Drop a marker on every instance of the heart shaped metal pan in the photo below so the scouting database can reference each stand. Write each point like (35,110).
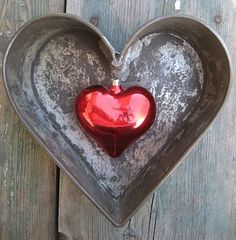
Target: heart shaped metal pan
(179,59)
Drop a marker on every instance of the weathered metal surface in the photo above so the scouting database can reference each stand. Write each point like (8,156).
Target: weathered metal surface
(53,58)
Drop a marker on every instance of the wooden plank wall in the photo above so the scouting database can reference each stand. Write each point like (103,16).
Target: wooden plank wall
(198,201)
(27,175)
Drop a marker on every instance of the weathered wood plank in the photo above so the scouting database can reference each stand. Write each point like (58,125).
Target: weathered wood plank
(117,20)
(198,200)
(27,175)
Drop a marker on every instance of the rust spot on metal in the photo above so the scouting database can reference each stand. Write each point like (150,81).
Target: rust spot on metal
(94,21)
(218,19)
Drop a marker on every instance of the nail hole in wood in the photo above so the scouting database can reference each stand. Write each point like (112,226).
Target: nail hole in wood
(94,21)
(218,19)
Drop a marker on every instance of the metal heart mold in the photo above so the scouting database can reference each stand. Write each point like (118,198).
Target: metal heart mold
(181,61)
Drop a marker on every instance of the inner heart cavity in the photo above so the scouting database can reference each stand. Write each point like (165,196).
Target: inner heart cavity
(166,64)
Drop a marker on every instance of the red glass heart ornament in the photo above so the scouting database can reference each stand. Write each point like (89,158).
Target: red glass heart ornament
(115,117)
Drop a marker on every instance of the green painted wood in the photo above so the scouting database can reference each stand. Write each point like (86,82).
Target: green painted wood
(27,175)
(198,201)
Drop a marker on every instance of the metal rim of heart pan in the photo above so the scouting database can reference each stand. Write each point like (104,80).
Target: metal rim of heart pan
(120,210)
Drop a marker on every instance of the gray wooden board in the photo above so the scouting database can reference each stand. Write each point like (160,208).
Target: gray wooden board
(198,200)
(27,175)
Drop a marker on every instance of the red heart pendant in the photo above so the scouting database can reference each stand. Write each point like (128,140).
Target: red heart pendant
(114,117)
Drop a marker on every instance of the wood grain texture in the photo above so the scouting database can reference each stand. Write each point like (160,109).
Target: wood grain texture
(198,201)
(27,175)
(116,19)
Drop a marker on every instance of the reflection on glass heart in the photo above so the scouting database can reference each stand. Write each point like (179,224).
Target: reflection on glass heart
(115,117)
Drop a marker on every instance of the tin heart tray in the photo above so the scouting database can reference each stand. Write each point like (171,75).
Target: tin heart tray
(182,62)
